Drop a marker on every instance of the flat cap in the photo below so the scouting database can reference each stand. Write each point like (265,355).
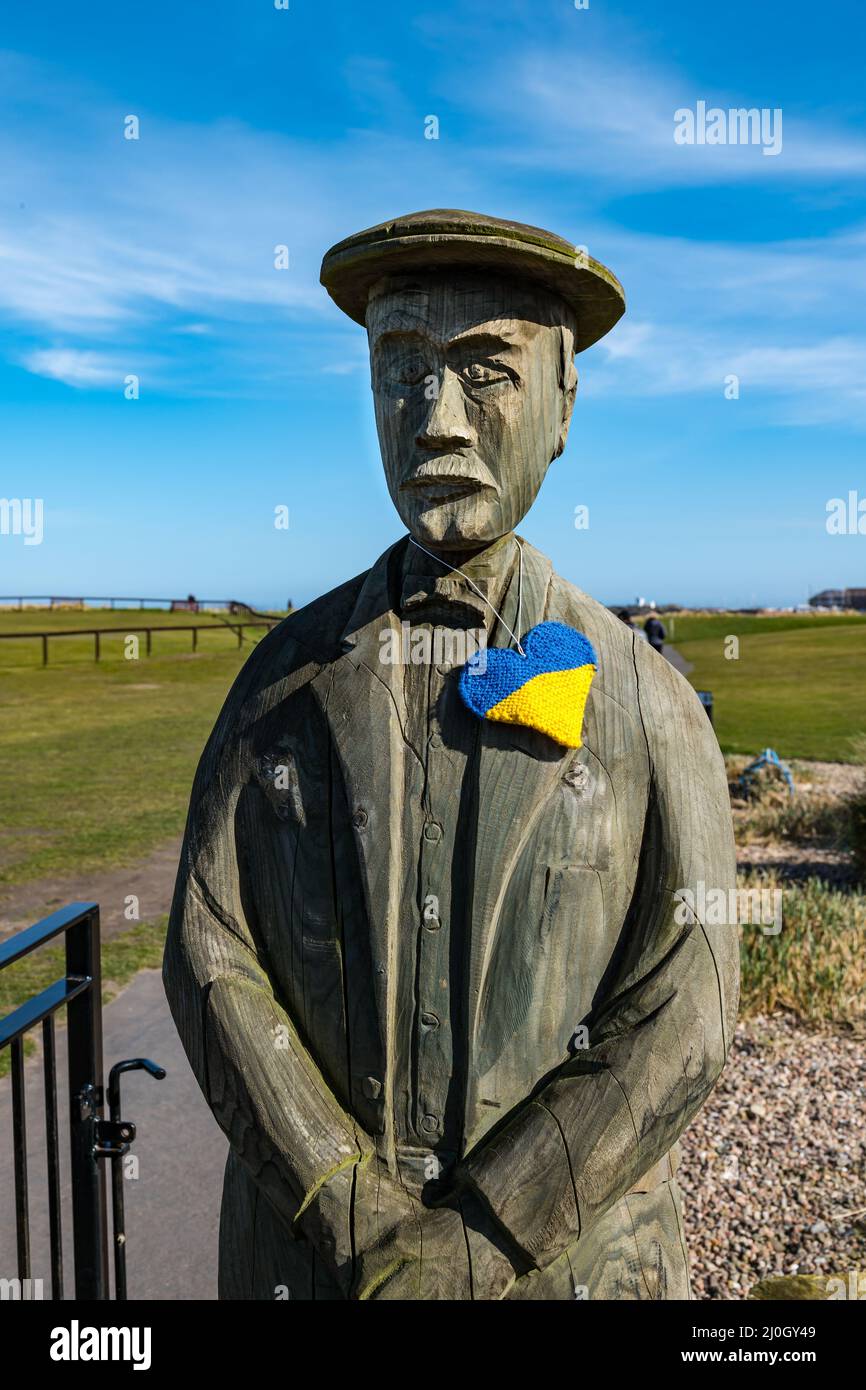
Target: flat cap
(447,237)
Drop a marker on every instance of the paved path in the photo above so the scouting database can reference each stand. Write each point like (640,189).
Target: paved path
(677,661)
(151,880)
(172,1209)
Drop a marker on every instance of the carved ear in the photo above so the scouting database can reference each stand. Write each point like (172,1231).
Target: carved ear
(568,386)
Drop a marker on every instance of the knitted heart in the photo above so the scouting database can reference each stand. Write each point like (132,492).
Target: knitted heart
(546,689)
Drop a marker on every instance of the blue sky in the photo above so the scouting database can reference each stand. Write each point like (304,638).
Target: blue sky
(261,127)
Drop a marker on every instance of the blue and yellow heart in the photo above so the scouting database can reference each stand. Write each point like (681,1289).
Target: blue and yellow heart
(546,689)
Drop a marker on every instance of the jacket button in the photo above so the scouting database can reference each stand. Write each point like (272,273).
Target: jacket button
(359,819)
(429,1123)
(430,1020)
(432,831)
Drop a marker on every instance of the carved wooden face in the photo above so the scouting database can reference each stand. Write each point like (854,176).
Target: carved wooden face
(474,385)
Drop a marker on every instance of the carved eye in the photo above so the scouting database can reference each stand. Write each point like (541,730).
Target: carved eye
(396,369)
(412,374)
(483,374)
(408,368)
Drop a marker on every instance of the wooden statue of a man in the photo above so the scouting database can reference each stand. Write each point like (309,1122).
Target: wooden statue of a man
(431,966)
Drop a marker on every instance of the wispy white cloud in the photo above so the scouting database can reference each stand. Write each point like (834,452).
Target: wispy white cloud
(805,383)
(106,243)
(76,367)
(624,123)
(608,113)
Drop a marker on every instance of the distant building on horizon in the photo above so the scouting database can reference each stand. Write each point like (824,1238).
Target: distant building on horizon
(839,598)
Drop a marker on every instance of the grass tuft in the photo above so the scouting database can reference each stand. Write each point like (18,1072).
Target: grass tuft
(816,965)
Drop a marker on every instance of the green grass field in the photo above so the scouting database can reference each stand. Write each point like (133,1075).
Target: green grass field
(97,760)
(798,684)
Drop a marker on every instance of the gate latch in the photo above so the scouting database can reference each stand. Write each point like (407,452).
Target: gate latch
(112,1138)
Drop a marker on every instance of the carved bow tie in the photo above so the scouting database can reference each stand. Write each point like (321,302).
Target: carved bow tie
(428,598)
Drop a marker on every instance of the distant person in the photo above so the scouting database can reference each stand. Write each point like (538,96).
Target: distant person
(655,633)
(630,623)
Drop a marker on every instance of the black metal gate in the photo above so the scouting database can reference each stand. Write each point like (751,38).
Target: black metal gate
(93,1138)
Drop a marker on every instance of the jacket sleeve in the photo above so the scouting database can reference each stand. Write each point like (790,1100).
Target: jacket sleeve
(262,1084)
(659,1038)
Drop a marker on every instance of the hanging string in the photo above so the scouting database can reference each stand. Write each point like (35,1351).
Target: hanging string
(455,570)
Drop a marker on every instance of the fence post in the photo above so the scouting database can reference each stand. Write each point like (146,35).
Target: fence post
(45,649)
(19,1130)
(84,1019)
(52,1139)
(96,646)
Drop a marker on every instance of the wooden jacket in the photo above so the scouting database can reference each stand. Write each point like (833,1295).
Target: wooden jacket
(595,1021)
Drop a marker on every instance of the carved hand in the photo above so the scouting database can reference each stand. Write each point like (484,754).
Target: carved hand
(443,1253)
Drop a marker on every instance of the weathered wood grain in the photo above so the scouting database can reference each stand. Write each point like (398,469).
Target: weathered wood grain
(431,972)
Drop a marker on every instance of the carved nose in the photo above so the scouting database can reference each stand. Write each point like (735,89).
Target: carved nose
(446,426)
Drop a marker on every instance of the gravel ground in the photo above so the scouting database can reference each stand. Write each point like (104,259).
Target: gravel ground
(793,863)
(833,779)
(825,779)
(776,1158)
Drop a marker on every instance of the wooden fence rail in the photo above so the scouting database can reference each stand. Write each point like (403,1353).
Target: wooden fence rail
(19,601)
(97,633)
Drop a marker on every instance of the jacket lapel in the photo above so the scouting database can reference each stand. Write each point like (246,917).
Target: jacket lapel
(365,708)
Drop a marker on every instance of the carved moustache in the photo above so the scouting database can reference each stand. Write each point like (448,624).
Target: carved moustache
(450,477)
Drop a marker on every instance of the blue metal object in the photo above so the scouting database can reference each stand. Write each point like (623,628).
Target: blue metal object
(769,758)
